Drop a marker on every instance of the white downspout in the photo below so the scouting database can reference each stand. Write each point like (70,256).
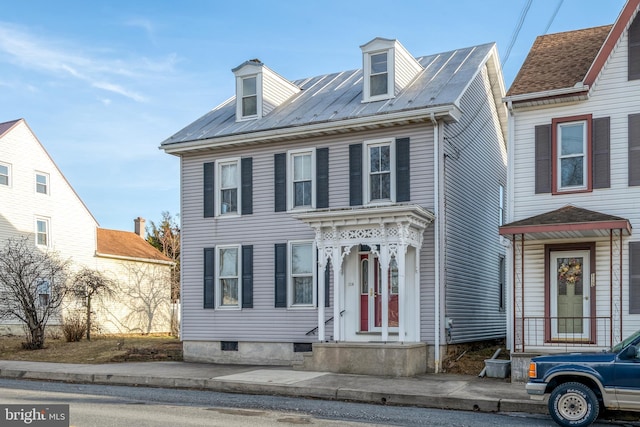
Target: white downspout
(436,243)
(510,191)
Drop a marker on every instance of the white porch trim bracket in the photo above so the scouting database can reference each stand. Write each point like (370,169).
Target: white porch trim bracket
(392,228)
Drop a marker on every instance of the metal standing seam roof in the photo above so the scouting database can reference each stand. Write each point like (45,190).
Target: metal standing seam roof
(338,96)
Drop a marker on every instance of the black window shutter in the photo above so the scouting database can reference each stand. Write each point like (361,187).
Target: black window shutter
(246,170)
(633,57)
(209,190)
(247,276)
(327,293)
(600,144)
(280,177)
(403,183)
(634,149)
(355,174)
(209,277)
(281,275)
(634,278)
(322,178)
(543,159)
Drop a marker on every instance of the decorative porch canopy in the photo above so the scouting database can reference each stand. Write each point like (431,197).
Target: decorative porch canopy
(567,223)
(388,230)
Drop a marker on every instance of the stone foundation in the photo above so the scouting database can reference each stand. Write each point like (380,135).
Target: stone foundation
(248,353)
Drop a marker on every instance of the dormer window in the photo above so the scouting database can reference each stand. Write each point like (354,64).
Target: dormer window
(249,97)
(259,90)
(387,69)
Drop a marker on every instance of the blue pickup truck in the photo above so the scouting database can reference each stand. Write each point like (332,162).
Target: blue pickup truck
(580,384)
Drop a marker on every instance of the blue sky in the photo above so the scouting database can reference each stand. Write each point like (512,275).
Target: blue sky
(103,83)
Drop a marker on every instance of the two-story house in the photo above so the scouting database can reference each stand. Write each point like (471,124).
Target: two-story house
(350,216)
(574,191)
(37,201)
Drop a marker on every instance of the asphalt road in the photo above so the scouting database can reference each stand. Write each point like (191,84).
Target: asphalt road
(107,406)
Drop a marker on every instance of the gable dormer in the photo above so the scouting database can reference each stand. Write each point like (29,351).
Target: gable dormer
(259,90)
(387,69)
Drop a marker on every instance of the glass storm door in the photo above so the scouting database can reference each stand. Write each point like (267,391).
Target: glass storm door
(570,306)
(371,296)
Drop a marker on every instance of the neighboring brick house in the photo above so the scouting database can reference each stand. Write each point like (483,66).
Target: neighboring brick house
(37,201)
(574,191)
(353,214)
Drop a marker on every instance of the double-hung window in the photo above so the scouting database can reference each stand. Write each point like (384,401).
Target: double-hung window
(379,74)
(228,181)
(42,232)
(43,289)
(302,185)
(571,157)
(249,97)
(301,274)
(380,179)
(228,268)
(5,174)
(42,183)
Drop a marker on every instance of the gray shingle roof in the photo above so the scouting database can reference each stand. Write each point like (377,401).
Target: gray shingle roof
(338,96)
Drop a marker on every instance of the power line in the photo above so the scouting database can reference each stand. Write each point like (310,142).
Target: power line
(555,12)
(516,31)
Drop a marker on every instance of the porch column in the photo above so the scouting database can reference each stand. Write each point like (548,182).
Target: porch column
(336,264)
(384,291)
(401,261)
(418,293)
(322,263)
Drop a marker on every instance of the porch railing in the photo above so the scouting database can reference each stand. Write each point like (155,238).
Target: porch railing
(562,332)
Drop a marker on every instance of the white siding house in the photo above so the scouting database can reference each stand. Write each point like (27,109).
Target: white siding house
(343,221)
(574,189)
(38,202)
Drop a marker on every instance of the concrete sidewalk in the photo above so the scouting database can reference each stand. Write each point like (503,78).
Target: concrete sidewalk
(442,391)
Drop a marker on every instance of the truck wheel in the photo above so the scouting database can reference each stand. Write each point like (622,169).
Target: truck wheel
(573,404)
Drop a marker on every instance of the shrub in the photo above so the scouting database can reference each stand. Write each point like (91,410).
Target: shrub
(74,328)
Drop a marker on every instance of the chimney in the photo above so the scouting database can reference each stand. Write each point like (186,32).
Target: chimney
(139,228)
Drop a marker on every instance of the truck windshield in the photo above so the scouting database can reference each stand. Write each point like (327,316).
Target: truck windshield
(616,348)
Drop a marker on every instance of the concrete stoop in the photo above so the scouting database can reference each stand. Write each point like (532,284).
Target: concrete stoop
(386,359)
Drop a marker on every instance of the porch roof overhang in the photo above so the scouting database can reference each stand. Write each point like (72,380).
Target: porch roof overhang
(365,224)
(568,222)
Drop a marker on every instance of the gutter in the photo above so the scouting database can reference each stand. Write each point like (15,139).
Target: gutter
(128,258)
(451,111)
(579,88)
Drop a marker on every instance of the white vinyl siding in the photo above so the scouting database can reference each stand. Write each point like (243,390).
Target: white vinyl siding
(71,221)
(613,96)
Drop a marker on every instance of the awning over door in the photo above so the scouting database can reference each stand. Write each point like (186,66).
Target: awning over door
(568,222)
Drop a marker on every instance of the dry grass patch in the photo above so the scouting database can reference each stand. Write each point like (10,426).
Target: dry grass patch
(101,349)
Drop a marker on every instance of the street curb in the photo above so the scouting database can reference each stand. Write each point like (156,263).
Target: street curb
(476,404)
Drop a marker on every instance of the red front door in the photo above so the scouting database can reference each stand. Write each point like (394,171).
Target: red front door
(371,294)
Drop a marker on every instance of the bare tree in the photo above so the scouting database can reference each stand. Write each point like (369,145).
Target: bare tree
(166,238)
(87,284)
(33,285)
